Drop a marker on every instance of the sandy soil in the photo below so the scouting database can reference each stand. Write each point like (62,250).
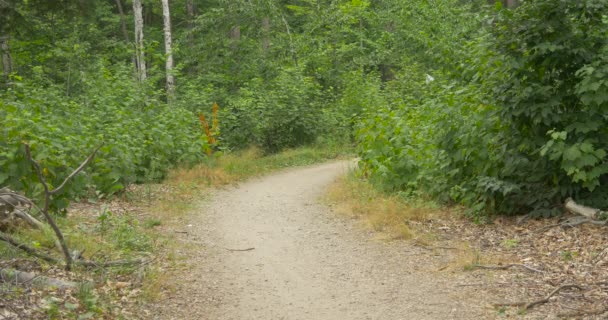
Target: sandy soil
(306,262)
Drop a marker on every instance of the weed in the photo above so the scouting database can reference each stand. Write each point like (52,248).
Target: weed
(510,243)
(568,255)
(151,223)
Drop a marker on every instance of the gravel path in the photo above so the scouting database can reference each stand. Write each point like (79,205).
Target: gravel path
(307,263)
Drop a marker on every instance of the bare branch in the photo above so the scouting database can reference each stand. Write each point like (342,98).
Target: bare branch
(115,263)
(75,172)
(529,305)
(478,266)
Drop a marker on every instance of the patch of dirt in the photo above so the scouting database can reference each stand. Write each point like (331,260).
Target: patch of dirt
(307,262)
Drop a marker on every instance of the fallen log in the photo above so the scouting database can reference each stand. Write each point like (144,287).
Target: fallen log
(582,210)
(23,278)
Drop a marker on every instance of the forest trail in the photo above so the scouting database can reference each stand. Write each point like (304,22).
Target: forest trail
(307,262)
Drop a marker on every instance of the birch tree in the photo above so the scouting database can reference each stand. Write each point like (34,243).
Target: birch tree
(169,55)
(140,60)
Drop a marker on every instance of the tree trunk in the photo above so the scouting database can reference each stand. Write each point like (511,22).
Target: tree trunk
(123,22)
(7,61)
(169,59)
(266,33)
(191,12)
(140,60)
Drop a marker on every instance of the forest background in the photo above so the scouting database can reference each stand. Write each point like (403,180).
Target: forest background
(497,106)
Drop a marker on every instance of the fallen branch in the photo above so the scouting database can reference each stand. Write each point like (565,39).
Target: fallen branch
(571,223)
(582,210)
(583,313)
(115,263)
(478,266)
(27,278)
(247,249)
(29,219)
(31,251)
(530,305)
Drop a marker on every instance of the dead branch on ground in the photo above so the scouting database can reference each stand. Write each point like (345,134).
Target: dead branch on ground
(27,278)
(505,267)
(583,313)
(10,203)
(115,263)
(31,251)
(591,213)
(530,305)
(571,223)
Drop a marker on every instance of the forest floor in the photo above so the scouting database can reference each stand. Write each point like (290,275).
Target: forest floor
(275,247)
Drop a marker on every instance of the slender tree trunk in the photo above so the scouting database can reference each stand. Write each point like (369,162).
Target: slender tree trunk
(169,59)
(294,53)
(125,33)
(266,34)
(123,21)
(140,58)
(191,12)
(7,61)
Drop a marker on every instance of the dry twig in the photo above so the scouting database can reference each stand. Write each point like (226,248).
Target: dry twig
(529,305)
(31,251)
(478,266)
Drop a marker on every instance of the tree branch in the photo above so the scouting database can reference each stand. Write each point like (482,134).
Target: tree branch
(76,171)
(31,251)
(507,267)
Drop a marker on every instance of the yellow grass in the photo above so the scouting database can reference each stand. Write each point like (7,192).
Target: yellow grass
(389,215)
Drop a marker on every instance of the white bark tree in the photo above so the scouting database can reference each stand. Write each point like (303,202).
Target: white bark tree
(169,55)
(140,58)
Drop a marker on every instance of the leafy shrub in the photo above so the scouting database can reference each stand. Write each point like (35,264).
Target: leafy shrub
(142,138)
(514,124)
(275,115)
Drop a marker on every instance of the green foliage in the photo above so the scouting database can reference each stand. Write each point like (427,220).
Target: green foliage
(501,110)
(275,115)
(141,137)
(515,121)
(554,96)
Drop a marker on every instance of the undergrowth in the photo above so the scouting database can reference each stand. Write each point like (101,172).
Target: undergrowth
(390,215)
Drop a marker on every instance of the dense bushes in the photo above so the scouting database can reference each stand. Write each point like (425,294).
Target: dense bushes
(514,124)
(284,112)
(142,137)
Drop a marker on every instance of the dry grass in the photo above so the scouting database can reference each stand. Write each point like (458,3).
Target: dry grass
(389,215)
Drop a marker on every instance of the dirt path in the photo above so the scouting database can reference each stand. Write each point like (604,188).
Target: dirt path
(307,263)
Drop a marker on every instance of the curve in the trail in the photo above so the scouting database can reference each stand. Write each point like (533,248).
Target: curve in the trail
(306,263)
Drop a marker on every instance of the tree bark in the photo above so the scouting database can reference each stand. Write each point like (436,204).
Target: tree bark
(140,60)
(123,22)
(266,34)
(7,61)
(191,12)
(168,53)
